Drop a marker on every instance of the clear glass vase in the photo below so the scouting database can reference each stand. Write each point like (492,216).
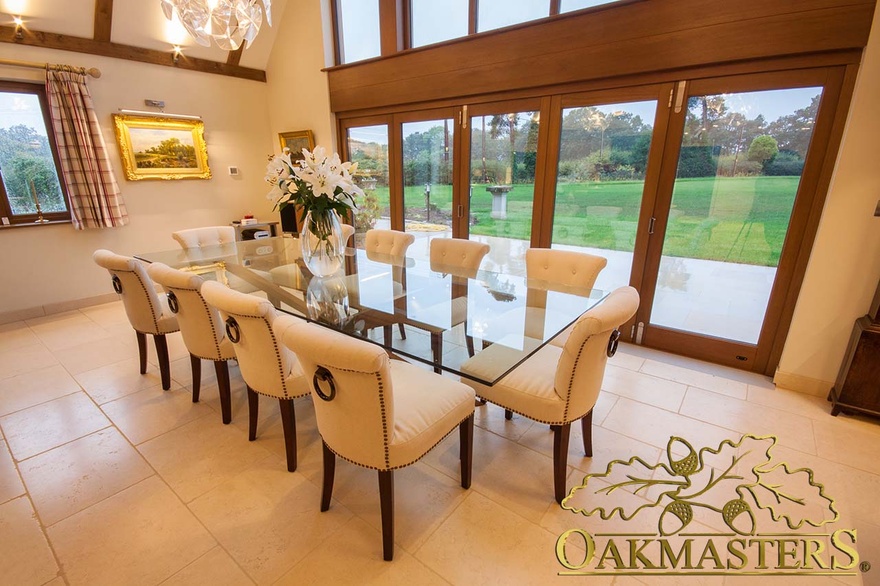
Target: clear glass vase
(327,301)
(321,241)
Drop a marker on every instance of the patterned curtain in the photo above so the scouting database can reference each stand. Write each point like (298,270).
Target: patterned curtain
(95,199)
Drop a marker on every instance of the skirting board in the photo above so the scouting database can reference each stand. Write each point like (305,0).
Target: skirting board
(53,308)
(802,384)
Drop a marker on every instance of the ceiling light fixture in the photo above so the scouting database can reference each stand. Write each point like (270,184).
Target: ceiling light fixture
(228,23)
(19,23)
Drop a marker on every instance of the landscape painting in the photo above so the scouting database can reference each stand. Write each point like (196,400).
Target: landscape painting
(156,147)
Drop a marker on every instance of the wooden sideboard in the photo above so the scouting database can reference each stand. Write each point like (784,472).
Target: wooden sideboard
(858,383)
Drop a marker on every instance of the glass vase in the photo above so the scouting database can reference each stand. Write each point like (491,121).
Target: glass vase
(327,301)
(321,241)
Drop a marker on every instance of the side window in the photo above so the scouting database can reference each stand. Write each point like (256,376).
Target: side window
(28,161)
(357,30)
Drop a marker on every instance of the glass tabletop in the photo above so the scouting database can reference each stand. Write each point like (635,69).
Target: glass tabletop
(434,314)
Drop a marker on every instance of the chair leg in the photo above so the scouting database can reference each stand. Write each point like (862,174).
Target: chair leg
(587,432)
(508,414)
(164,363)
(253,413)
(469,340)
(401,330)
(142,351)
(386,503)
(221,367)
(288,422)
(386,332)
(437,350)
(560,459)
(329,475)
(466,449)
(196,364)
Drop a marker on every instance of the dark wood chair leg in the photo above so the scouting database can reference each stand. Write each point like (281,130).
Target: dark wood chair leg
(402,331)
(288,422)
(466,449)
(386,331)
(386,503)
(253,413)
(437,350)
(560,459)
(196,364)
(469,340)
(221,367)
(142,351)
(164,363)
(587,432)
(508,414)
(329,475)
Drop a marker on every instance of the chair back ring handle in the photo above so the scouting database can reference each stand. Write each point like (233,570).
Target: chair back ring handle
(232,331)
(324,375)
(172,302)
(117,284)
(612,343)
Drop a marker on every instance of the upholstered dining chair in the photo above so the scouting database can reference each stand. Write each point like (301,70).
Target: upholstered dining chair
(563,270)
(201,328)
(385,246)
(202,237)
(378,413)
(566,394)
(147,311)
(267,367)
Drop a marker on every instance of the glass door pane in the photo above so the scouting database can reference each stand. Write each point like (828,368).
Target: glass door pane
(504,152)
(741,161)
(368,147)
(603,158)
(427,176)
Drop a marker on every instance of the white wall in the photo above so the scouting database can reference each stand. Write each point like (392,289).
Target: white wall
(52,264)
(844,267)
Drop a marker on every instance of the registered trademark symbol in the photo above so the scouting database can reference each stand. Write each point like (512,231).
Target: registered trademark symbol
(865,567)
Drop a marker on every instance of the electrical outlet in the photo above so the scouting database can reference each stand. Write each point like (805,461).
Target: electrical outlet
(233,171)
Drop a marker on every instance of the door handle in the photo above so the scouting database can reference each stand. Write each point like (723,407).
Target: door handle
(651,225)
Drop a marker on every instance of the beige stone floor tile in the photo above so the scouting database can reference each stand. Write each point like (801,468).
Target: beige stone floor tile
(98,353)
(792,430)
(110,382)
(107,314)
(16,335)
(603,406)
(491,418)
(215,568)
(790,401)
(483,542)
(842,441)
(423,498)
(703,380)
(66,330)
(176,349)
(51,424)
(201,455)
(512,475)
(152,412)
(141,535)
(642,387)
(655,426)
(624,359)
(363,563)
(10,482)
(30,561)
(33,388)
(72,477)
(268,518)
(24,359)
(181,372)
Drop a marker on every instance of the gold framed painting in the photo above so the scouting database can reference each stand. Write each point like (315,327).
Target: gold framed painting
(296,141)
(156,147)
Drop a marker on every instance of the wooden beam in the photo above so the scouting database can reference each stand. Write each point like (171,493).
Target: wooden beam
(391,26)
(127,52)
(103,20)
(235,56)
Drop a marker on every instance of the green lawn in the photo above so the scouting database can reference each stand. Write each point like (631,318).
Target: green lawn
(740,219)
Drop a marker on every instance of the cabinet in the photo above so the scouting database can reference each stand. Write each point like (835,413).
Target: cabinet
(247,232)
(858,383)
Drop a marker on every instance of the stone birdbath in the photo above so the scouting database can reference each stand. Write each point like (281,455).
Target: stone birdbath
(499,200)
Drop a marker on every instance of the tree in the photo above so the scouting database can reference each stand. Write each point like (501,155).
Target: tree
(794,131)
(763,148)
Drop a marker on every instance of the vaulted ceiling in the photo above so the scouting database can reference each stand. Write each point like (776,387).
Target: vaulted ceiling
(131,29)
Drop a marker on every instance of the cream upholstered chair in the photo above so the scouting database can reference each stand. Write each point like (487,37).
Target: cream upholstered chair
(147,311)
(201,327)
(385,246)
(378,413)
(568,394)
(563,270)
(207,236)
(267,367)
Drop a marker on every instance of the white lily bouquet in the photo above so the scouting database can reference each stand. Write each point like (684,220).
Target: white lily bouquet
(324,190)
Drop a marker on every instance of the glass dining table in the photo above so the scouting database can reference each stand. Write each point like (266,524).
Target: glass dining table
(417,310)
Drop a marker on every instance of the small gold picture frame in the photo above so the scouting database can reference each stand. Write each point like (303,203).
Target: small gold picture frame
(156,147)
(296,141)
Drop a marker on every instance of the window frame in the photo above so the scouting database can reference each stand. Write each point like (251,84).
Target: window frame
(5,206)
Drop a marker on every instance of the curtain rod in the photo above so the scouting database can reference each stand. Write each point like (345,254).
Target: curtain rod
(94,72)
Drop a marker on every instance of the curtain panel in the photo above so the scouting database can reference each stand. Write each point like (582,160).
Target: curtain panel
(95,199)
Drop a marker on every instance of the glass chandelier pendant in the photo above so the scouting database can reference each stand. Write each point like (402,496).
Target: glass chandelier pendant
(228,23)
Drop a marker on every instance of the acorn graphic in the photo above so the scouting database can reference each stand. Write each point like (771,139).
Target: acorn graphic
(734,518)
(675,517)
(685,466)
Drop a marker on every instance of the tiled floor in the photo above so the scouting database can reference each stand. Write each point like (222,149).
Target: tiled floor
(106,479)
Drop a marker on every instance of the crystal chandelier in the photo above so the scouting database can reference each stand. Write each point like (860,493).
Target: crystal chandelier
(227,22)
